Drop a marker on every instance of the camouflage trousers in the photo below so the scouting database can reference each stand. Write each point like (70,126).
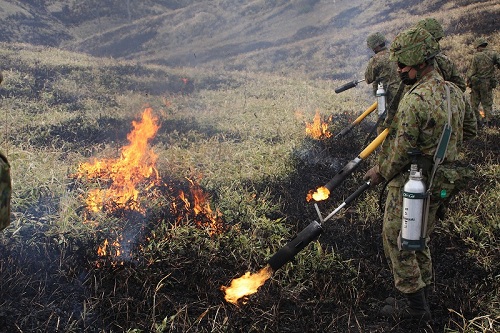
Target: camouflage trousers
(482,93)
(412,270)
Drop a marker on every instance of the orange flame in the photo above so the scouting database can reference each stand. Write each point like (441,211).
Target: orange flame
(481,113)
(135,165)
(322,193)
(205,216)
(318,129)
(246,285)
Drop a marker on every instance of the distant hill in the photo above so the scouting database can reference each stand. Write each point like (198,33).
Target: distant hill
(318,38)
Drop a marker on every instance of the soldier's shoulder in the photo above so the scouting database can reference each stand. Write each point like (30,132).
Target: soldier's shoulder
(427,89)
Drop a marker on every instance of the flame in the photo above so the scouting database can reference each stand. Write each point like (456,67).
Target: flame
(135,165)
(246,285)
(102,250)
(322,193)
(204,215)
(113,250)
(318,129)
(481,113)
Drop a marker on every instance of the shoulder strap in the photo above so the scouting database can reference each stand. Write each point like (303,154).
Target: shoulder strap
(440,153)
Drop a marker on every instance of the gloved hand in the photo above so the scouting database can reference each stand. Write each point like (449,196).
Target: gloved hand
(374,176)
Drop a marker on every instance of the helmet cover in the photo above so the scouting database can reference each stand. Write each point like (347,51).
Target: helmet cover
(374,40)
(432,26)
(413,46)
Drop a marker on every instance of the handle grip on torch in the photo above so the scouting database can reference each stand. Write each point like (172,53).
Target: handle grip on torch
(354,164)
(348,85)
(358,120)
(374,144)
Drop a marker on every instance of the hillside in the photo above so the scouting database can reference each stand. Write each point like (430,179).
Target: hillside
(322,39)
(159,151)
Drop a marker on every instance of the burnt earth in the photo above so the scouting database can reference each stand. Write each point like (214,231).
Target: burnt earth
(57,283)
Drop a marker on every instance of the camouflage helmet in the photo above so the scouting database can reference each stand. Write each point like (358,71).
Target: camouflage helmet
(374,40)
(480,42)
(413,46)
(432,26)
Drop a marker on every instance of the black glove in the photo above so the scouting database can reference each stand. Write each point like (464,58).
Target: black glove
(374,176)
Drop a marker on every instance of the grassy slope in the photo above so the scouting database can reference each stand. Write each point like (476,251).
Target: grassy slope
(245,133)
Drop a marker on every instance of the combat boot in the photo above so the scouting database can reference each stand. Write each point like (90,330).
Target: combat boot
(416,308)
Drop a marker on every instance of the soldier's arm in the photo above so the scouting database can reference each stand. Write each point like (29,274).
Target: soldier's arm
(405,138)
(369,72)
(497,60)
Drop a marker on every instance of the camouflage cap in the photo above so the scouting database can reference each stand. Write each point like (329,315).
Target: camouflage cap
(480,42)
(374,40)
(432,26)
(413,46)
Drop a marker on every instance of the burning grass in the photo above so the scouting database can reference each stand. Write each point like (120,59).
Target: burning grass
(160,267)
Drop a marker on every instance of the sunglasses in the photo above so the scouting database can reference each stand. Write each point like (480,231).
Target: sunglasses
(401,65)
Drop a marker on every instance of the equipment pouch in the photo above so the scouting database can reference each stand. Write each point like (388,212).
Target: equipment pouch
(5,192)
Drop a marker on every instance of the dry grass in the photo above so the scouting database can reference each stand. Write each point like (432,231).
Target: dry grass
(244,133)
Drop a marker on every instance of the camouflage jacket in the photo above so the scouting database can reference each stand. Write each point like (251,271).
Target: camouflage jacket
(482,65)
(381,69)
(419,123)
(449,71)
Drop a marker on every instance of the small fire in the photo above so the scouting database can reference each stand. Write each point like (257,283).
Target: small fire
(204,215)
(135,166)
(106,249)
(481,113)
(246,285)
(322,193)
(318,129)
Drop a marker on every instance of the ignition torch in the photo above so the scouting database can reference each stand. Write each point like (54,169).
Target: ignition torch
(357,120)
(310,233)
(323,192)
(250,283)
(347,86)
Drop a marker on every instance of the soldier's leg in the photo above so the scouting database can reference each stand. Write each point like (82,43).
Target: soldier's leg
(475,99)
(487,102)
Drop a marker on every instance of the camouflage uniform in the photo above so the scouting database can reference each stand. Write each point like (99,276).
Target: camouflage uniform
(419,122)
(449,71)
(443,64)
(381,70)
(5,192)
(481,79)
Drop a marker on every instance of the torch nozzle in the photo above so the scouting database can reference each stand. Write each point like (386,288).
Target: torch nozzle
(286,253)
(348,85)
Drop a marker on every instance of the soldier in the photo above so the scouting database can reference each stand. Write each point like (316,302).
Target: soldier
(381,70)
(418,123)
(444,65)
(481,78)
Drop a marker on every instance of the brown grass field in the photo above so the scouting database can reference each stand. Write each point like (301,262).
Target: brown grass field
(225,173)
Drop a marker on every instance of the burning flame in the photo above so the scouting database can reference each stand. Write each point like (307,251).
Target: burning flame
(246,285)
(481,113)
(135,165)
(318,129)
(105,249)
(204,215)
(322,193)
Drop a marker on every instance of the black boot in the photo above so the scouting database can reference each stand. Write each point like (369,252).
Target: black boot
(418,308)
(415,307)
